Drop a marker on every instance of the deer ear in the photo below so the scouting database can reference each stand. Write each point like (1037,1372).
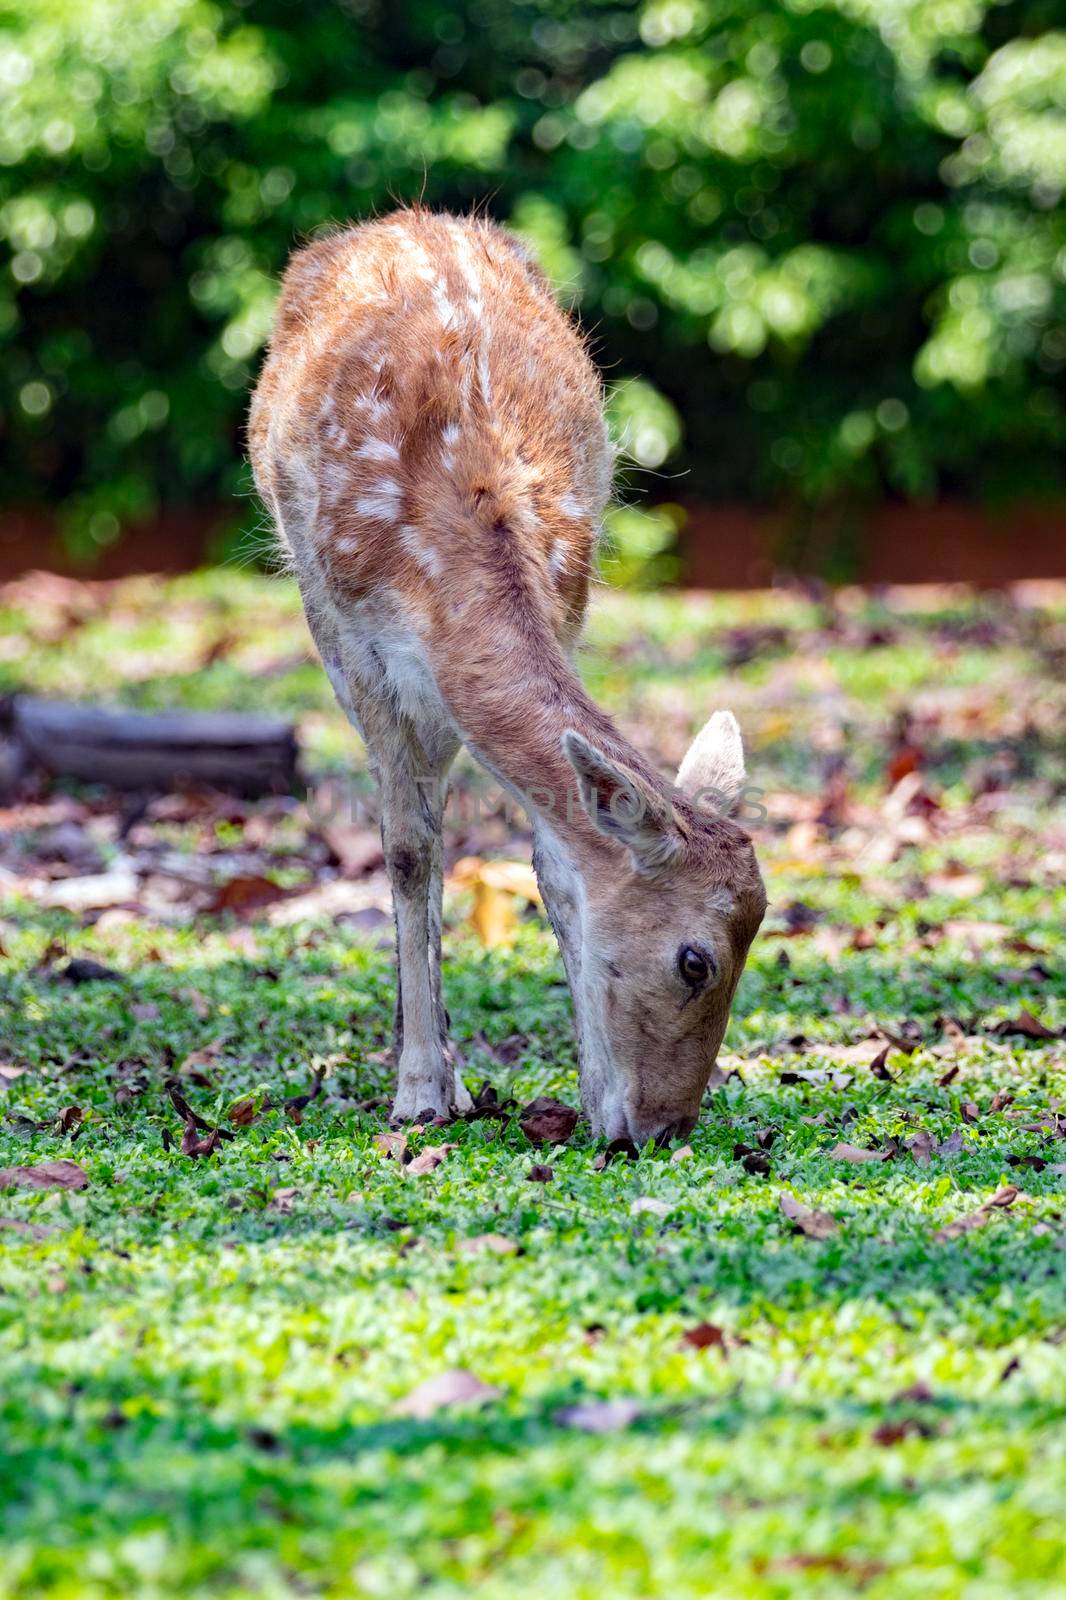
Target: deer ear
(619,805)
(713,769)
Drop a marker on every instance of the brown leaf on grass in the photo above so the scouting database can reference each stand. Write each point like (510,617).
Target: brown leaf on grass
(754,1161)
(547,1121)
(852,1153)
(429,1159)
(878,1068)
(908,1037)
(616,1148)
(46,1175)
(898,1429)
(196,1066)
(197,1002)
(492,1244)
(455,1387)
(599,1416)
(948,1077)
(861,1571)
(922,1147)
(193,1145)
(684,1152)
(813,1224)
(243,1112)
(244,893)
(281,1201)
(969,1111)
(977,1219)
(391,1143)
(70,1118)
(188,1115)
(356,850)
(816,1075)
(487,1103)
(1027,1025)
(297,1104)
(539,1173)
(84,970)
(32,1230)
(704,1336)
(915,1394)
(1000,1099)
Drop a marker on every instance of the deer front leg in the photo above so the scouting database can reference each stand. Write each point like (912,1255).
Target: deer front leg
(412,812)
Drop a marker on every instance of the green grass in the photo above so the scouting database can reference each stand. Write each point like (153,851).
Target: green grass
(199,1381)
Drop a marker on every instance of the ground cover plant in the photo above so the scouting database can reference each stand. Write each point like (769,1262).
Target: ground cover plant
(817,1350)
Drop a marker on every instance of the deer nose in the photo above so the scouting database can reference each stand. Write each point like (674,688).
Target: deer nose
(678,1129)
(658,1128)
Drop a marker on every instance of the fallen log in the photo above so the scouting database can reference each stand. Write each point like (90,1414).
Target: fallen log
(164,750)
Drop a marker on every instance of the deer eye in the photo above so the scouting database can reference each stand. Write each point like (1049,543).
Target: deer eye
(693,966)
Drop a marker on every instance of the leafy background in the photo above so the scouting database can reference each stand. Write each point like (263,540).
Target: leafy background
(820,246)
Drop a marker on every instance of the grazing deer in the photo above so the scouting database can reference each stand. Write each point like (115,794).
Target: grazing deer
(428,433)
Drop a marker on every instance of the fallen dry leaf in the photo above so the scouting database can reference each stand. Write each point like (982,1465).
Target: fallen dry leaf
(684,1153)
(497,886)
(32,1230)
(47,1175)
(297,1104)
(243,1112)
(493,1244)
(616,1148)
(392,1144)
(977,1219)
(193,1145)
(851,1152)
(428,1159)
(599,1416)
(197,1063)
(245,893)
(547,1121)
(1027,1025)
(539,1173)
(84,970)
(814,1224)
(455,1387)
(921,1147)
(704,1336)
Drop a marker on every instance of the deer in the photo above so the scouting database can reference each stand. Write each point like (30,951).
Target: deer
(428,436)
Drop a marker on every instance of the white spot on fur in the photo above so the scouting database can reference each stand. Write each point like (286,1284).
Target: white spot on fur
(427,558)
(383,503)
(450,436)
(571,506)
(347,543)
(558,558)
(378,450)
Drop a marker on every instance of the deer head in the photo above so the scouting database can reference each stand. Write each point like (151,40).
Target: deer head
(665,922)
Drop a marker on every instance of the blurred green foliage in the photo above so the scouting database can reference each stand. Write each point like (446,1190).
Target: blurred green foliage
(827,236)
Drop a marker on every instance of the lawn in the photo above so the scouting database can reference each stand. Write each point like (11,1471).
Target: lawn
(212,1365)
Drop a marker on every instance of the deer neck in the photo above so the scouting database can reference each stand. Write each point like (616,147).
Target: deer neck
(513,701)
